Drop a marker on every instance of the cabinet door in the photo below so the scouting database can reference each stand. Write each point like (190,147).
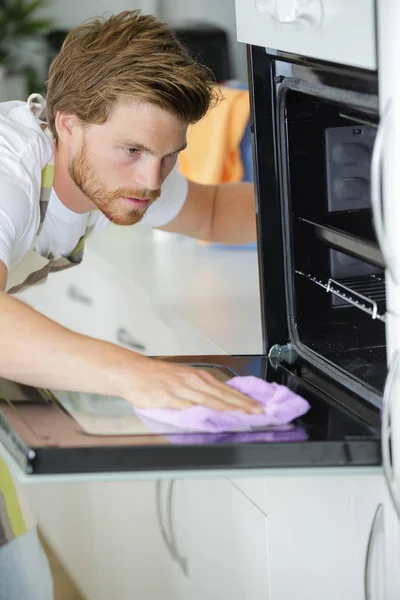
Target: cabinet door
(318,529)
(335,30)
(222,537)
(370,501)
(392,551)
(381,540)
(107,537)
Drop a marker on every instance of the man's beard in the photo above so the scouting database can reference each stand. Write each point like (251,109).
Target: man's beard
(110,203)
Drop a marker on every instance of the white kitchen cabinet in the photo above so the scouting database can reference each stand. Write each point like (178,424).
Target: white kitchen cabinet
(318,531)
(386,180)
(386,158)
(110,539)
(371,503)
(382,543)
(310,540)
(107,537)
(313,536)
(220,539)
(342,530)
(391,551)
(312,28)
(95,299)
(386,192)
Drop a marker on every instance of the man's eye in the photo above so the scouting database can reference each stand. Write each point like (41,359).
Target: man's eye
(132,151)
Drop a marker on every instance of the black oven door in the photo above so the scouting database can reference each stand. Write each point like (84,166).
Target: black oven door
(64,437)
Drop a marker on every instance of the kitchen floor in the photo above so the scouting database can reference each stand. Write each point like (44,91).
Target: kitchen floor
(64,586)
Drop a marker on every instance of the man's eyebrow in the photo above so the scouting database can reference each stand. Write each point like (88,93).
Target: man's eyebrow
(143,148)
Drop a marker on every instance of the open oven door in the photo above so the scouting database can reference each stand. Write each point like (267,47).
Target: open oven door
(70,436)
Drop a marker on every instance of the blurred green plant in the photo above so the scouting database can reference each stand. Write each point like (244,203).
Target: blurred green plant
(19,21)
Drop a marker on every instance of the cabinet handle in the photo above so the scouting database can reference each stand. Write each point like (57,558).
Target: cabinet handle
(181,560)
(387,431)
(167,531)
(75,293)
(376,182)
(376,527)
(124,337)
(287,12)
(163,529)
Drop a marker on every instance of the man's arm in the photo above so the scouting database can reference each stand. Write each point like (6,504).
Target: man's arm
(217,213)
(37,351)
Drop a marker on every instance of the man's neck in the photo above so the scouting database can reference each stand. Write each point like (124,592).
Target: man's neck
(67,191)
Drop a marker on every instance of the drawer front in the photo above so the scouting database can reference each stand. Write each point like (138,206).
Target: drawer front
(339,31)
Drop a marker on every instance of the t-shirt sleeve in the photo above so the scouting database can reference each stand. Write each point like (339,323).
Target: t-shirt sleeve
(15,212)
(170,202)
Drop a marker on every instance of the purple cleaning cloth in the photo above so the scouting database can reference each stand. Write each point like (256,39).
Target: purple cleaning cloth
(281,406)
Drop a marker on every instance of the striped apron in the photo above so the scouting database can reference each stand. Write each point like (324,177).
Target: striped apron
(15,515)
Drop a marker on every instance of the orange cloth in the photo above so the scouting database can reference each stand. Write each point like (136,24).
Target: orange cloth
(213,152)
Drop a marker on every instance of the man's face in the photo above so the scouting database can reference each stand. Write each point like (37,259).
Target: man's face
(121,165)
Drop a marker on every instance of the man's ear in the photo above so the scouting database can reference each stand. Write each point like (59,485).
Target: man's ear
(65,124)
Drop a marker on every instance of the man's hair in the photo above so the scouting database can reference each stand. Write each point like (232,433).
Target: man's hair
(129,56)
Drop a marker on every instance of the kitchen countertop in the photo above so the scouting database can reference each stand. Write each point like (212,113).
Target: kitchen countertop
(213,289)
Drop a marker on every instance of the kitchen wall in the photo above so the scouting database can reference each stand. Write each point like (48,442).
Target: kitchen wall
(175,12)
(67,17)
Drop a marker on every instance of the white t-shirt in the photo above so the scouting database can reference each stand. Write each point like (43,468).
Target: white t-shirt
(24,152)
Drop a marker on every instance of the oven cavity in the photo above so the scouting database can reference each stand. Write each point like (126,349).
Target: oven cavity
(336,285)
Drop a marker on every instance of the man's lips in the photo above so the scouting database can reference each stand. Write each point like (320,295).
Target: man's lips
(137,202)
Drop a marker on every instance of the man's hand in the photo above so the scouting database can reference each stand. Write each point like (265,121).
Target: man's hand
(153,383)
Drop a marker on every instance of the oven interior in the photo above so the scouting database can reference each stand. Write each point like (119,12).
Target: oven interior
(336,285)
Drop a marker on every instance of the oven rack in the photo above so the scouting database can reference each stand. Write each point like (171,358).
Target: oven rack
(366,292)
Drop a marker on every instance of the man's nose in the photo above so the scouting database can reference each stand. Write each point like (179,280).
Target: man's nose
(149,175)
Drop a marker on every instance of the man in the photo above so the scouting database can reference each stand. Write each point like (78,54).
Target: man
(120,97)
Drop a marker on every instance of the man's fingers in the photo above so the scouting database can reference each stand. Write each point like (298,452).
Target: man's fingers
(208,400)
(170,401)
(228,395)
(216,395)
